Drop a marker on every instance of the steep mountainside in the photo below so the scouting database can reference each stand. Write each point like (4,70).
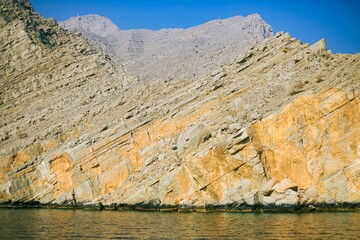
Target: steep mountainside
(52,82)
(173,53)
(278,127)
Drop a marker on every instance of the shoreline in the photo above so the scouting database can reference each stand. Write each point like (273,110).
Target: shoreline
(337,207)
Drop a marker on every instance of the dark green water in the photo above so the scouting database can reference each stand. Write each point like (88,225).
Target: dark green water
(68,224)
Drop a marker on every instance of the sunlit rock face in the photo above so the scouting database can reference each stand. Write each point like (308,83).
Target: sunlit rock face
(276,127)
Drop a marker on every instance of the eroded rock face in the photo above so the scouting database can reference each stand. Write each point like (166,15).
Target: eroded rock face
(277,127)
(169,54)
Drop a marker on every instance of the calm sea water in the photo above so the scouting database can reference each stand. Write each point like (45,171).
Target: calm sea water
(68,224)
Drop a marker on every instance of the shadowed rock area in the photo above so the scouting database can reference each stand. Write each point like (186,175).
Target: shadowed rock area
(178,53)
(275,128)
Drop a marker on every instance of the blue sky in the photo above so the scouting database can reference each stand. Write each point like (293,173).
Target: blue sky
(338,21)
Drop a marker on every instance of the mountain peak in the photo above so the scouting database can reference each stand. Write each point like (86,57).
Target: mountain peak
(254,15)
(184,53)
(93,23)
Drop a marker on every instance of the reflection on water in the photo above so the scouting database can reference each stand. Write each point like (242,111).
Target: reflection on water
(61,224)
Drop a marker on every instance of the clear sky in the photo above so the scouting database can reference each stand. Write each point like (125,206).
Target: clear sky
(338,21)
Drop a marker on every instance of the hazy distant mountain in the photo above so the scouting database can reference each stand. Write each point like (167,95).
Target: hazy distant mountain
(92,23)
(173,53)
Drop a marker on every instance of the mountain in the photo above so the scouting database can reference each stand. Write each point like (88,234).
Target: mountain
(173,53)
(91,23)
(277,128)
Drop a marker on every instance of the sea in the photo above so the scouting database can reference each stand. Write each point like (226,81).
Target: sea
(79,224)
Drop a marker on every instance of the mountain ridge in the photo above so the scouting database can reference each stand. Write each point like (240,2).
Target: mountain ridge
(176,53)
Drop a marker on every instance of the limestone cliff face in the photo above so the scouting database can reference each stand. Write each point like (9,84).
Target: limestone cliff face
(277,127)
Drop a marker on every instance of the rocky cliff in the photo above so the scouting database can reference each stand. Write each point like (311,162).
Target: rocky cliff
(173,53)
(278,127)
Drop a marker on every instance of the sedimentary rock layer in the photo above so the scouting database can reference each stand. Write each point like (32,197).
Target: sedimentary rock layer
(277,127)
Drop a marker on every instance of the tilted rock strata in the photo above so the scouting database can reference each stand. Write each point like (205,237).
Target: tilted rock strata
(173,53)
(42,69)
(51,80)
(278,127)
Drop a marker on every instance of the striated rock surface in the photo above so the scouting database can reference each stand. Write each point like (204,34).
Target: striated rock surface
(278,127)
(173,53)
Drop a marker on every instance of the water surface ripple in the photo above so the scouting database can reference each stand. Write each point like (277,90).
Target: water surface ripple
(68,224)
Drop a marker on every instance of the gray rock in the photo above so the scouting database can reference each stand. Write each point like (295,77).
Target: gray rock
(192,138)
(290,199)
(185,203)
(234,127)
(267,187)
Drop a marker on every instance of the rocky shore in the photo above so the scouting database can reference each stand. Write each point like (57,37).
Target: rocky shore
(343,207)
